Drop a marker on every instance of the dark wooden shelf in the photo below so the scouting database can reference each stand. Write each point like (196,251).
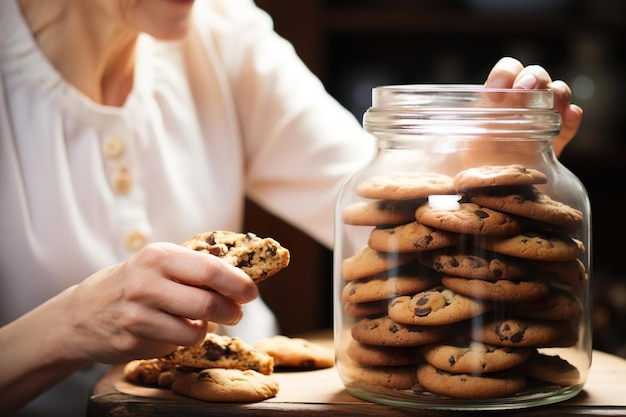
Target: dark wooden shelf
(355,20)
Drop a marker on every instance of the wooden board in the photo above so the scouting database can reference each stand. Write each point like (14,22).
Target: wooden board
(321,393)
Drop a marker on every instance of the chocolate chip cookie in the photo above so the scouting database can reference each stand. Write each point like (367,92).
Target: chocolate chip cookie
(296,352)
(410,237)
(469,386)
(434,307)
(405,186)
(484,265)
(383,331)
(221,351)
(463,355)
(530,203)
(380,212)
(224,385)
(497,176)
(469,218)
(259,257)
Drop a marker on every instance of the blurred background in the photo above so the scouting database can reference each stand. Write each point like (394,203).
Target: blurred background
(354,45)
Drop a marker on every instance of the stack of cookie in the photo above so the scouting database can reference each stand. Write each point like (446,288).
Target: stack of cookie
(221,368)
(462,284)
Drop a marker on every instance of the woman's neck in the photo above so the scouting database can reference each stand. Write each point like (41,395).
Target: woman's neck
(90,48)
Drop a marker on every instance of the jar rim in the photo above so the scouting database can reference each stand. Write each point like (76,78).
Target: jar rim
(460,96)
(411,109)
(453,86)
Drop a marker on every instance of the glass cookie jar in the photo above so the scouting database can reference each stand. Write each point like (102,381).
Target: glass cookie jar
(462,254)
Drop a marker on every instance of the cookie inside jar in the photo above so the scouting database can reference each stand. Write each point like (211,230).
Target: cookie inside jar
(479,301)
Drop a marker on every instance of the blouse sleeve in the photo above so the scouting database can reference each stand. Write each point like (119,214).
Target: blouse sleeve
(300,144)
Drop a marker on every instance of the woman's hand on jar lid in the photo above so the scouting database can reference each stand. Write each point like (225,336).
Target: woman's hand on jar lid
(510,73)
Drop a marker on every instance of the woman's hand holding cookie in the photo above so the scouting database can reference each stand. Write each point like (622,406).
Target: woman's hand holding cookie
(155,301)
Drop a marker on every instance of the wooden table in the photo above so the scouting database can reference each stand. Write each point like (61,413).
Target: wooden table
(321,393)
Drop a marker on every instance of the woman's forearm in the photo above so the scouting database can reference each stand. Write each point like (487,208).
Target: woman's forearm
(32,357)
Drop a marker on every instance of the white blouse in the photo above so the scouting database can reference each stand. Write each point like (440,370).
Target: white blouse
(230,111)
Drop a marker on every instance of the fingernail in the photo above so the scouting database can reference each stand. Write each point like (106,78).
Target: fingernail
(236,319)
(527,82)
(496,83)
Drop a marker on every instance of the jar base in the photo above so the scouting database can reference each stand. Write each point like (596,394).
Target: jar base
(426,400)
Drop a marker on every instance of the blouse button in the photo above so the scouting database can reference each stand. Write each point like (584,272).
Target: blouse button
(113,147)
(134,240)
(122,181)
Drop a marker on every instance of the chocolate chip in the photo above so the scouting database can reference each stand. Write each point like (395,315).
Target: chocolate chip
(422,301)
(213,351)
(214,250)
(246,261)
(505,328)
(423,242)
(482,214)
(422,312)
(270,250)
(517,337)
(307,363)
(204,375)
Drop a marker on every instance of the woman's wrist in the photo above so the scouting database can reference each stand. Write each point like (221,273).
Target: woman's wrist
(35,354)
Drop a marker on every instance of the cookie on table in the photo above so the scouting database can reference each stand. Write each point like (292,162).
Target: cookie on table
(469,386)
(500,290)
(225,385)
(530,203)
(405,186)
(259,257)
(221,351)
(520,332)
(572,273)
(497,176)
(410,237)
(559,305)
(463,355)
(552,369)
(368,262)
(296,352)
(390,377)
(371,355)
(380,212)
(535,245)
(367,309)
(469,218)
(383,331)
(382,287)
(434,307)
(146,371)
(485,265)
